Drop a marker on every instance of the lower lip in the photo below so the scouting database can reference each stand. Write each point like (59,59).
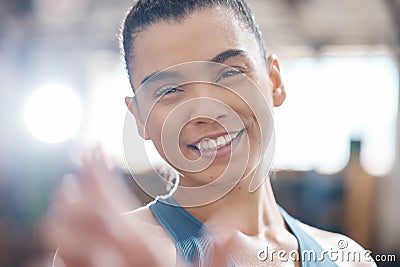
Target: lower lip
(223,151)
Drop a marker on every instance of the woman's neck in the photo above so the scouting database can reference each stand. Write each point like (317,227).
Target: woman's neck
(250,213)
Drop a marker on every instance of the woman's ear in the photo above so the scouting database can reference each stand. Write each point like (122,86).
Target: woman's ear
(278,89)
(133,108)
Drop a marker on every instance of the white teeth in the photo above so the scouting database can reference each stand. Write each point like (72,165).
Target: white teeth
(221,141)
(203,145)
(213,144)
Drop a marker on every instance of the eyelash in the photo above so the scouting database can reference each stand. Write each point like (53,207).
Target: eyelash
(166,89)
(230,72)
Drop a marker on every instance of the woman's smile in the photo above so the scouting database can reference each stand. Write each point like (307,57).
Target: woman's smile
(217,146)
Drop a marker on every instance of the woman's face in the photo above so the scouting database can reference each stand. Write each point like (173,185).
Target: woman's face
(203,117)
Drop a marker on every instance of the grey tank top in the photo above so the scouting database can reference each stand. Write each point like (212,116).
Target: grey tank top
(194,242)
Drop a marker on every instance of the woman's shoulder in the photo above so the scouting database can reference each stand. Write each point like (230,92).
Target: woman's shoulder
(143,214)
(144,219)
(342,249)
(156,236)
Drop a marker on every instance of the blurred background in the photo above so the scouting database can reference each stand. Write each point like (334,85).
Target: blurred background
(62,87)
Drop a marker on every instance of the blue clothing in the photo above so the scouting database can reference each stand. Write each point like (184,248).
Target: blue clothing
(193,243)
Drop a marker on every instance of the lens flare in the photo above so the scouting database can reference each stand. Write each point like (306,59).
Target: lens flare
(53,113)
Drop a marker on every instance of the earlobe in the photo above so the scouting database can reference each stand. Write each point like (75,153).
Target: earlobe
(278,89)
(133,108)
(279,96)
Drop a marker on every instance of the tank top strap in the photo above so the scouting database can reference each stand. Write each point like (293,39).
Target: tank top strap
(184,230)
(311,253)
(194,242)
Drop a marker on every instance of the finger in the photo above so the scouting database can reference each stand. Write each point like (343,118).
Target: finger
(82,243)
(103,183)
(96,255)
(77,227)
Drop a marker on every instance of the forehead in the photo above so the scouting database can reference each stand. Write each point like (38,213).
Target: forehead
(199,37)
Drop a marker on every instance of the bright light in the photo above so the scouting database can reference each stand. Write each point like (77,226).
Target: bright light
(53,113)
(330,101)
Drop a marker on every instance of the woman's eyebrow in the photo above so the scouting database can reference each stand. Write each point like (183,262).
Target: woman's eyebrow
(156,76)
(227,54)
(220,58)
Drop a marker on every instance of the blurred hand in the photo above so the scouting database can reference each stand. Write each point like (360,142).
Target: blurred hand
(86,222)
(87,225)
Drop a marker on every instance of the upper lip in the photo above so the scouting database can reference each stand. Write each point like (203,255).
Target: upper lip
(213,136)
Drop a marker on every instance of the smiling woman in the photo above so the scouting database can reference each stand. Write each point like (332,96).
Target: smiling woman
(204,91)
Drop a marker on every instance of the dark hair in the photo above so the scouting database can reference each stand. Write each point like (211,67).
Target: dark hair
(148,12)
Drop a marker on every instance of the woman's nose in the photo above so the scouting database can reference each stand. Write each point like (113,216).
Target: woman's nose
(206,105)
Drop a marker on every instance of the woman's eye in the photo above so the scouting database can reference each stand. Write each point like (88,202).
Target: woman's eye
(165,90)
(229,73)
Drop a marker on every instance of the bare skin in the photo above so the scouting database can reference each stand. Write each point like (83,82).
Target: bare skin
(243,222)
